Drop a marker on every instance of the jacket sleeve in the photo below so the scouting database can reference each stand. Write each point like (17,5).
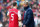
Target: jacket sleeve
(28,16)
(24,19)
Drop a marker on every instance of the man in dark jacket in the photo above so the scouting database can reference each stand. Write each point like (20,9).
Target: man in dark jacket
(28,20)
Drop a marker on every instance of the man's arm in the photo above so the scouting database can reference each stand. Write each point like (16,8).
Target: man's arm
(19,16)
(19,19)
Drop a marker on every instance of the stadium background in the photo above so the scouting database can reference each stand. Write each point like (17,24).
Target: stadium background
(5,5)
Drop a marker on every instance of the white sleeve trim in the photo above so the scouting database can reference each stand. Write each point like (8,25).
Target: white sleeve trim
(8,13)
(19,14)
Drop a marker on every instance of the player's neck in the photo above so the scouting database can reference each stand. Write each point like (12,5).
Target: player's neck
(15,7)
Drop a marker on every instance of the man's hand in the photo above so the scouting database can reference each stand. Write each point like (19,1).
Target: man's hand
(24,25)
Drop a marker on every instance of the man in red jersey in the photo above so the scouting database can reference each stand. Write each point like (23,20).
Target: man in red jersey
(13,16)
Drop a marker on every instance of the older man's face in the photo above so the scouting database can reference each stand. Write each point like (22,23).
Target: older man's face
(24,5)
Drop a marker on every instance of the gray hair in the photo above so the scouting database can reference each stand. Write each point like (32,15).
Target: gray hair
(26,2)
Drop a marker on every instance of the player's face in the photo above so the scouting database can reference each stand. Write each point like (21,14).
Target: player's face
(16,5)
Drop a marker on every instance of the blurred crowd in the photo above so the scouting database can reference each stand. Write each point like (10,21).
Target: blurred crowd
(5,5)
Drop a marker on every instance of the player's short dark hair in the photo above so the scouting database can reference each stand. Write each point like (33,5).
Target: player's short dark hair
(14,4)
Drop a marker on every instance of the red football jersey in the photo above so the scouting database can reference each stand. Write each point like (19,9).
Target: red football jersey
(13,18)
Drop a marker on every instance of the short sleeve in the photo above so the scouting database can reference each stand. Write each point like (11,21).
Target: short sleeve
(19,14)
(8,13)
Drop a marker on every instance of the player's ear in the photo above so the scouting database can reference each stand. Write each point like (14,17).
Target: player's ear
(16,4)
